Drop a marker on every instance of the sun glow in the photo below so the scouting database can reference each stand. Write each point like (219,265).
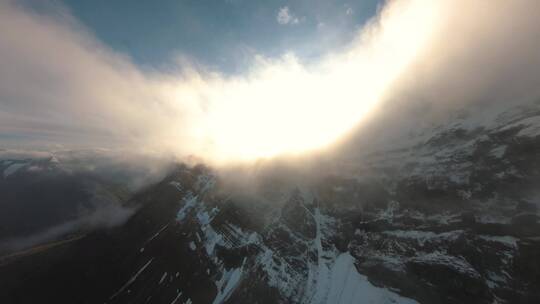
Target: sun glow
(413,53)
(285,107)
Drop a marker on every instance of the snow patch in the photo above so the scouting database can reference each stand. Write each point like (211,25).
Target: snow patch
(189,202)
(13,168)
(492,219)
(227,284)
(132,279)
(498,152)
(508,241)
(424,236)
(177,185)
(458,264)
(178,295)
(155,235)
(347,286)
(163,277)
(531,126)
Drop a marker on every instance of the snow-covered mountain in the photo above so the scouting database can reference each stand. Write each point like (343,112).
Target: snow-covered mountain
(451,217)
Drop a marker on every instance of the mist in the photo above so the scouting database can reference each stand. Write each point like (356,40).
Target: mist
(64,193)
(106,216)
(481,60)
(62,88)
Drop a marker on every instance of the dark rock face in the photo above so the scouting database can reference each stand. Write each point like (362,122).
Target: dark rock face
(453,219)
(296,215)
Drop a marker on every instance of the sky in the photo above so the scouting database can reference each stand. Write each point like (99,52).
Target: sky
(222,34)
(235,81)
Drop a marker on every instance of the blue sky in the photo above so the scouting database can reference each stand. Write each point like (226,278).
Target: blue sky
(221,34)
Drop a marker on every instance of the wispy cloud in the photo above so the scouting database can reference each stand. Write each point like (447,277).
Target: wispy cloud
(285,16)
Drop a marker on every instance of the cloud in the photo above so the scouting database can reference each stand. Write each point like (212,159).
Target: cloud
(482,58)
(103,181)
(285,16)
(61,86)
(103,217)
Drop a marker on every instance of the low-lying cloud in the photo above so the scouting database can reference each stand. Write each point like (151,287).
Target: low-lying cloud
(52,195)
(103,217)
(60,86)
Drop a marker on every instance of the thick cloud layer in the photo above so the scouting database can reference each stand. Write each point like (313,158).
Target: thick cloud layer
(59,86)
(482,58)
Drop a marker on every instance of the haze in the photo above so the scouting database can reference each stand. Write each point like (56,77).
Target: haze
(62,87)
